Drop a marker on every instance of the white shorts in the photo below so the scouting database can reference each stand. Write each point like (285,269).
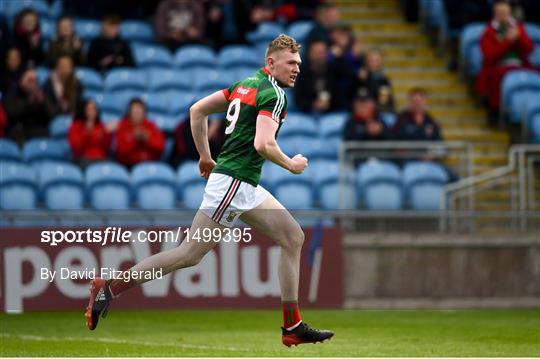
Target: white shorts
(226,198)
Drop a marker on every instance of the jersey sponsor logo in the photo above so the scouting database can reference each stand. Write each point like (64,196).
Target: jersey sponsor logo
(246,95)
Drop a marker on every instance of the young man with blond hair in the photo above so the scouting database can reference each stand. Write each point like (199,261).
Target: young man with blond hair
(255,107)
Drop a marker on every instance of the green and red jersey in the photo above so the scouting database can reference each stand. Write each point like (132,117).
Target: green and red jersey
(248,98)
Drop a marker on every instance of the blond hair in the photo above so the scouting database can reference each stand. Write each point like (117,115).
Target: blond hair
(282,42)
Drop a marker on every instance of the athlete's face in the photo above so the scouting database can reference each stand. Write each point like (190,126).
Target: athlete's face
(284,67)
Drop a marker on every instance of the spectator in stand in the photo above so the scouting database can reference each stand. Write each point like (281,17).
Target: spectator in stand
(5,38)
(109,50)
(63,89)
(180,22)
(27,35)
(415,123)
(372,79)
(505,46)
(27,110)
(12,71)
(88,137)
(138,138)
(316,89)
(326,15)
(65,43)
(365,123)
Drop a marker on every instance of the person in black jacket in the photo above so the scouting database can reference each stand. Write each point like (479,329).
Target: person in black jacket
(415,123)
(109,50)
(365,123)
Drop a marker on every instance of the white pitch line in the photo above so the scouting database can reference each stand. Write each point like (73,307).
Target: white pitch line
(120,341)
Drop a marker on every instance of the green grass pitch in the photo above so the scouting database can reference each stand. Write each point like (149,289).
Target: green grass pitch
(211,333)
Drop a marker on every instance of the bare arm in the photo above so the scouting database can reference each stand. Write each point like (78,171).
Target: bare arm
(265,143)
(199,112)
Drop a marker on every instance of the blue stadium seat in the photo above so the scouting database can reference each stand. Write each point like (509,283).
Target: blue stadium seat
(108,186)
(87,29)
(321,148)
(168,150)
(179,101)
(389,118)
(39,149)
(18,186)
(169,79)
(211,80)
(108,117)
(166,122)
(9,151)
(475,60)
(59,126)
(423,182)
(62,186)
(534,32)
(42,74)
(298,124)
(14,7)
(133,30)
(234,56)
(155,185)
(157,103)
(518,81)
(533,124)
(380,185)
(195,56)
(265,32)
(534,58)
(522,102)
(146,55)
(332,124)
(325,177)
(299,30)
(90,78)
(125,78)
(469,39)
(48,28)
(123,97)
(293,191)
(190,184)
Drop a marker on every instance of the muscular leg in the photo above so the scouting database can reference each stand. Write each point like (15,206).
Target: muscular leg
(272,219)
(187,254)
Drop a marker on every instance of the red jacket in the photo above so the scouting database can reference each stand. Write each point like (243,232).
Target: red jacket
(131,150)
(494,50)
(92,145)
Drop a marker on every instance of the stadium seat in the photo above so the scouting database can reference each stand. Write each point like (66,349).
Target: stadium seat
(108,186)
(380,185)
(146,55)
(90,78)
(133,30)
(518,82)
(195,56)
(169,79)
(190,184)
(234,56)
(211,80)
(265,32)
(521,103)
(389,118)
(533,30)
(9,151)
(423,182)
(469,39)
(533,124)
(325,176)
(42,74)
(166,122)
(331,125)
(87,29)
(18,186)
(298,124)
(62,186)
(59,126)
(125,78)
(534,58)
(48,28)
(243,72)
(321,148)
(123,97)
(39,6)
(179,101)
(155,185)
(157,103)
(475,61)
(293,191)
(40,149)
(299,30)
(169,148)
(108,117)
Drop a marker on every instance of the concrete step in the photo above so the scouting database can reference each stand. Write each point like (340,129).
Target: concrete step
(402,100)
(405,53)
(399,27)
(405,39)
(477,137)
(430,87)
(380,13)
(400,60)
(409,75)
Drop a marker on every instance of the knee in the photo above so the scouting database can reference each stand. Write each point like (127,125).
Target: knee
(190,260)
(295,239)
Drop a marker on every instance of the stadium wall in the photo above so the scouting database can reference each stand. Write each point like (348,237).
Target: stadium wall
(442,271)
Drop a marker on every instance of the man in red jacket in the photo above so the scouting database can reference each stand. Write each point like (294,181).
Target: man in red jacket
(505,46)
(138,139)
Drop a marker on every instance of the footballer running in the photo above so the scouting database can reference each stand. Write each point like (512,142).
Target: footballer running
(256,108)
